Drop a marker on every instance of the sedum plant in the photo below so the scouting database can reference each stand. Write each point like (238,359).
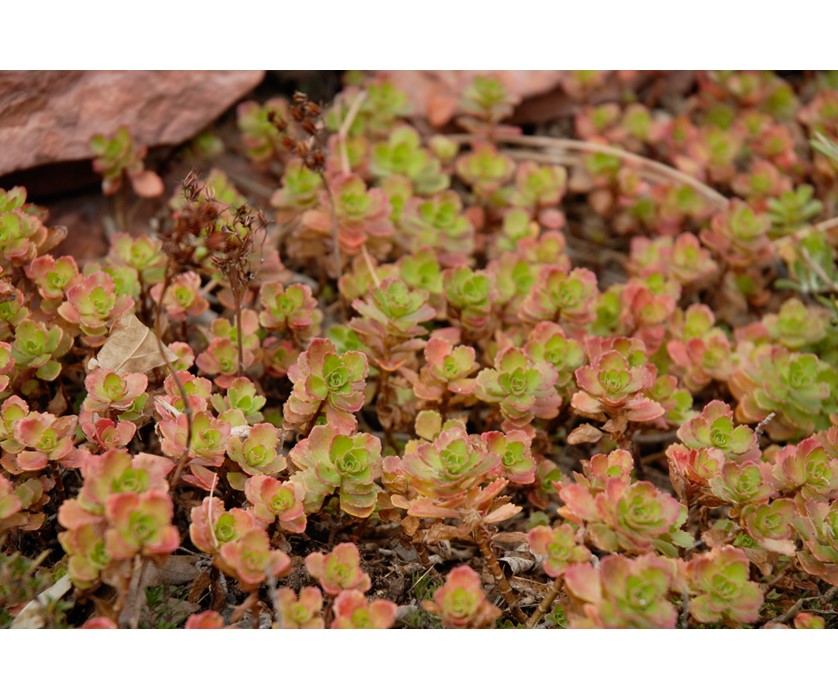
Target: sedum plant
(593,380)
(326,383)
(461,602)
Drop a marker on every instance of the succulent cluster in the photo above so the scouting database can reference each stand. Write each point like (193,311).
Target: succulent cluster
(444,356)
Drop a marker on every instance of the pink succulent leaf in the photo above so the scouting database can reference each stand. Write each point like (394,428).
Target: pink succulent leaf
(207,620)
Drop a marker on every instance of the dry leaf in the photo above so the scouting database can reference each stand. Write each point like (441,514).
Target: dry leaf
(131,347)
(31,617)
(537,589)
(617,425)
(176,570)
(518,563)
(513,538)
(58,403)
(584,433)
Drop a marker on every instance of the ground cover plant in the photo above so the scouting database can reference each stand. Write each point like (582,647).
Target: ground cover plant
(403,374)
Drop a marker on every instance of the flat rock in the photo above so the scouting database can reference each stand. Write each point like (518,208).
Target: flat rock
(50,116)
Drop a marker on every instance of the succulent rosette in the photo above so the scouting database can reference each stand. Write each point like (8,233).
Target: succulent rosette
(485,169)
(22,235)
(809,468)
(690,471)
(558,295)
(743,484)
(142,253)
(94,305)
(353,611)
(258,453)
(362,216)
(251,560)
(42,437)
(340,570)
(817,525)
(438,223)
(301,611)
(514,449)
(461,602)
(635,517)
(209,438)
(398,309)
(623,593)
(448,368)
(87,553)
(722,590)
(469,296)
(558,547)
(330,461)
(770,524)
(547,342)
(523,389)
(611,385)
(212,526)
(713,428)
(402,154)
(140,523)
(276,500)
(799,388)
(117,471)
(450,465)
(293,309)
(38,347)
(112,390)
(326,382)
(184,297)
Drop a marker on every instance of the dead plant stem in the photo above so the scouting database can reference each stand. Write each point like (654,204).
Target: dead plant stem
(796,608)
(481,537)
(545,604)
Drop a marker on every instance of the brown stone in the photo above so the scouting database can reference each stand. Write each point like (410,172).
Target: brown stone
(539,94)
(50,116)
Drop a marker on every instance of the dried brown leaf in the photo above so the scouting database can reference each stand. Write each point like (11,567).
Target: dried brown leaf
(177,569)
(518,563)
(131,347)
(584,433)
(513,538)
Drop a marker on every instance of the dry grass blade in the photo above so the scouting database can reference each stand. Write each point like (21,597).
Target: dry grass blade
(31,616)
(566,152)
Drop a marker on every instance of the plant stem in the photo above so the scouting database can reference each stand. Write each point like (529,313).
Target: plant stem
(481,537)
(137,590)
(545,604)
(335,232)
(314,418)
(239,340)
(794,609)
(187,409)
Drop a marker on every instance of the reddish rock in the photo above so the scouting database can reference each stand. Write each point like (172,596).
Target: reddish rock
(50,116)
(540,94)
(436,93)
